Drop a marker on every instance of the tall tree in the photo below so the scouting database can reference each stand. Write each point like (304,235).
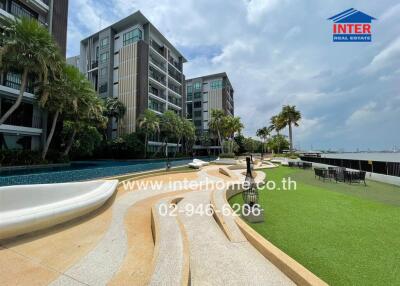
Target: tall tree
(263,133)
(168,128)
(277,124)
(216,124)
(114,108)
(27,48)
(149,122)
(189,134)
(89,111)
(230,126)
(58,96)
(290,116)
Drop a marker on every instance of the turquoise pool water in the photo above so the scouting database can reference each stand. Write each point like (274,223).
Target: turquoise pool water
(80,171)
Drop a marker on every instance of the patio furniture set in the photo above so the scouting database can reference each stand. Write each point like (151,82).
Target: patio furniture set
(340,174)
(301,165)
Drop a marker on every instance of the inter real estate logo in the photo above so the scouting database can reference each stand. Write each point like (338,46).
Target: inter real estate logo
(352,26)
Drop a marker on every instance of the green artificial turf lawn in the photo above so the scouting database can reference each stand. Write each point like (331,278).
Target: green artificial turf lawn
(345,234)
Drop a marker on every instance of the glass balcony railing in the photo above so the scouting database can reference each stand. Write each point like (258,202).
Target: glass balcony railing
(174,63)
(174,100)
(157,63)
(174,74)
(174,88)
(156,106)
(157,76)
(157,47)
(157,92)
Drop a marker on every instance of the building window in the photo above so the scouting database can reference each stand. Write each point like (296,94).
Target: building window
(197,95)
(216,84)
(103,88)
(189,89)
(197,86)
(103,72)
(132,36)
(14,81)
(104,43)
(22,11)
(197,104)
(197,113)
(104,57)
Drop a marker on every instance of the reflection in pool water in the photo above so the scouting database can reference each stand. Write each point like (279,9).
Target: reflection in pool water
(80,171)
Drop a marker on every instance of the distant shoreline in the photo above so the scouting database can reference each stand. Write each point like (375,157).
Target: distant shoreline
(374,156)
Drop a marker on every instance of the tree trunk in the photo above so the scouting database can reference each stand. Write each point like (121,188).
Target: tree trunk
(50,137)
(145,145)
(177,146)
(290,137)
(70,142)
(220,141)
(17,103)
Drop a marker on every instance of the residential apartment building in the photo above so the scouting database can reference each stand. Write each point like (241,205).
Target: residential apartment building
(26,127)
(206,93)
(132,61)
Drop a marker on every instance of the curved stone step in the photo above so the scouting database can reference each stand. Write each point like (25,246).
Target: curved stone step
(214,259)
(171,251)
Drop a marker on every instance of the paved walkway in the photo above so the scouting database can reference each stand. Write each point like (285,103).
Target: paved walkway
(214,260)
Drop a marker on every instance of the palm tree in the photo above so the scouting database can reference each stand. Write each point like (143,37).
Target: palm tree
(168,127)
(89,110)
(290,116)
(231,125)
(277,124)
(114,108)
(216,123)
(189,133)
(149,122)
(27,47)
(179,132)
(59,96)
(263,133)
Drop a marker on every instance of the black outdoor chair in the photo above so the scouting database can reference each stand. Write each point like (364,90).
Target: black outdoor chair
(307,165)
(340,174)
(355,177)
(292,164)
(321,173)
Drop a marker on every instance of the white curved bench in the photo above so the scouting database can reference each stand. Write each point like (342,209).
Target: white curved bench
(26,208)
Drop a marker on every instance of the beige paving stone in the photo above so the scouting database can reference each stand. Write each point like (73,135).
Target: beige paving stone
(16,270)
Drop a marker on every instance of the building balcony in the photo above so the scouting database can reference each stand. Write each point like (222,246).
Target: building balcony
(176,101)
(158,67)
(20,130)
(157,76)
(157,92)
(12,90)
(175,63)
(156,105)
(174,75)
(174,92)
(160,50)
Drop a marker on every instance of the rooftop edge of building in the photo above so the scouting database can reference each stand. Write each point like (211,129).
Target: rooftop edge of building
(139,18)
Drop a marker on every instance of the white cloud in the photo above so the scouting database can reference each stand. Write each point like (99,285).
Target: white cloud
(385,57)
(256,9)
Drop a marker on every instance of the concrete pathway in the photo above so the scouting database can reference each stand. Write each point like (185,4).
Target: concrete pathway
(214,260)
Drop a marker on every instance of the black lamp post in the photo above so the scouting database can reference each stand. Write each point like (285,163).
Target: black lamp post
(250,193)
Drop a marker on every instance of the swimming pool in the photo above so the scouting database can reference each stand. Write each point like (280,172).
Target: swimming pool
(81,171)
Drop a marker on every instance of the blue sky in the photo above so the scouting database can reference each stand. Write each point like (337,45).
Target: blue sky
(280,52)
